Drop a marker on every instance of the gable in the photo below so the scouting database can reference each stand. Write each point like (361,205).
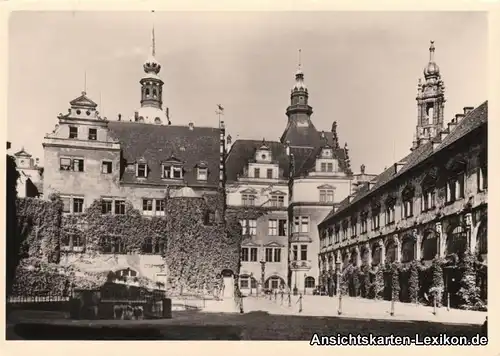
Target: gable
(326,186)
(273,244)
(249,191)
(83,101)
(277,192)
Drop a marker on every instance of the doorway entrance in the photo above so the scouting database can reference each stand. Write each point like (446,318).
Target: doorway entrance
(228,283)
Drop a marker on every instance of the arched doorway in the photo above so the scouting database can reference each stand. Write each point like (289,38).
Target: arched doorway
(456,241)
(429,246)
(228,283)
(274,282)
(376,254)
(310,284)
(408,249)
(390,251)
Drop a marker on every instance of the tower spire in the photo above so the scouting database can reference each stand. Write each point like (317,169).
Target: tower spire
(153,44)
(300,59)
(431,52)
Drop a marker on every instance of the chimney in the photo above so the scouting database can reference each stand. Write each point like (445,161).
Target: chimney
(459,117)
(444,133)
(468,109)
(350,198)
(119,117)
(398,166)
(362,169)
(8,145)
(452,124)
(37,162)
(191,126)
(436,142)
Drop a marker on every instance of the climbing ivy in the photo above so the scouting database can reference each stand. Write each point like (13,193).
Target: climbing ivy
(413,283)
(469,292)
(13,236)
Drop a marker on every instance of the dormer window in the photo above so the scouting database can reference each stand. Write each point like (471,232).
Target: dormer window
(277,201)
(326,195)
(202,173)
(142,170)
(248,199)
(73,132)
(92,134)
(172,170)
(256,172)
(407,195)
(327,153)
(326,167)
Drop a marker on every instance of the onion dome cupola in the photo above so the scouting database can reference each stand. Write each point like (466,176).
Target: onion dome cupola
(432,69)
(151,90)
(299,95)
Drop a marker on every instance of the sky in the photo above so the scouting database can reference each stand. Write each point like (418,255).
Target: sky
(361,69)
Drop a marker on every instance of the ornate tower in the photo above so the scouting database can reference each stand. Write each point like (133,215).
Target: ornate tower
(430,102)
(299,111)
(151,90)
(300,131)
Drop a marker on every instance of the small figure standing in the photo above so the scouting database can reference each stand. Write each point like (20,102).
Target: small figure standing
(300,303)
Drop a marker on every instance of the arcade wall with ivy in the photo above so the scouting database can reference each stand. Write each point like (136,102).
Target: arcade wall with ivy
(196,241)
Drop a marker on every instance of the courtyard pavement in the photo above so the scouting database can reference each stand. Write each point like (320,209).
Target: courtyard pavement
(361,308)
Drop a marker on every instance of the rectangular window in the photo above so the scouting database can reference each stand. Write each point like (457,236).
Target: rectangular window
(243,224)
(256,172)
(107,167)
(142,170)
(248,200)
(345,232)
(330,167)
(304,224)
(295,254)
(166,172)
(160,206)
(277,201)
(147,206)
(202,173)
(93,134)
(303,252)
(176,172)
(244,254)
(277,255)
(455,188)
(408,208)
(482,179)
(296,224)
(364,224)
(274,283)
(77,205)
(323,167)
(428,200)
(252,227)
(244,283)
(269,255)
(78,165)
(253,254)
(65,164)
(120,207)
(270,174)
(282,227)
(66,205)
(273,227)
(326,196)
(73,132)
(389,214)
(106,207)
(330,236)
(353,227)
(375,221)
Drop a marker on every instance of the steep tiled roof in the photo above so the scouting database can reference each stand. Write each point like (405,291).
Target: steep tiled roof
(471,121)
(244,150)
(301,136)
(157,143)
(304,156)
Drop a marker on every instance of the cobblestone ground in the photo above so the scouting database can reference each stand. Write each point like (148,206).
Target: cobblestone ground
(360,308)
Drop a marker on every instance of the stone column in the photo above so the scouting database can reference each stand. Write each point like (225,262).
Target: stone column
(382,251)
(338,258)
(369,259)
(348,255)
(441,239)
(468,229)
(418,244)
(358,256)
(397,243)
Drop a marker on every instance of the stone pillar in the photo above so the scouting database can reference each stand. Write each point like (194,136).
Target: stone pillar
(358,256)
(418,244)
(382,251)
(369,259)
(468,229)
(348,255)
(398,244)
(441,239)
(338,259)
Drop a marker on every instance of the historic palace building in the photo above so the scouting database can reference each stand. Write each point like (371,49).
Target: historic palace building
(135,160)
(431,204)
(281,191)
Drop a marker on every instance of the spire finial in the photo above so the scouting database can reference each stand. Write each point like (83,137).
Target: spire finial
(84,82)
(431,52)
(153,45)
(300,59)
